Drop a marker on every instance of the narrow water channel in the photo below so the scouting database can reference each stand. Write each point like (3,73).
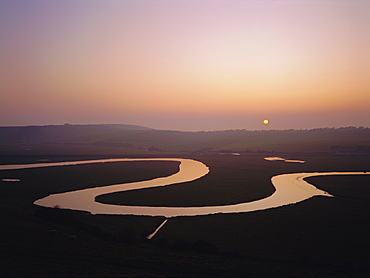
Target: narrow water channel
(290,189)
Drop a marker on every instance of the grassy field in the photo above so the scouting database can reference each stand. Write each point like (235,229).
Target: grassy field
(321,232)
(320,237)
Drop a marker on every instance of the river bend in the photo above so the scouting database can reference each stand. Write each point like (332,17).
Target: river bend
(289,189)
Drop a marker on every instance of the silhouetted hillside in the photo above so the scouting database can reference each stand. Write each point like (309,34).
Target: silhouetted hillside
(129,139)
(63,133)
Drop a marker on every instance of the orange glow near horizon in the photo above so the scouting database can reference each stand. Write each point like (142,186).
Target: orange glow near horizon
(115,62)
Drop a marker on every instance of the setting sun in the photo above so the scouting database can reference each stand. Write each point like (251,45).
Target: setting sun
(265,122)
(145,63)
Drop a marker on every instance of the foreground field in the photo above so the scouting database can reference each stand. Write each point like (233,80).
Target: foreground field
(320,237)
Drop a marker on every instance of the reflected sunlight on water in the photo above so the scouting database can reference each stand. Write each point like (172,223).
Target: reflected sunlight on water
(11,180)
(283,159)
(290,189)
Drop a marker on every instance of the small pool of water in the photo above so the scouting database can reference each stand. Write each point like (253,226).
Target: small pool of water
(283,159)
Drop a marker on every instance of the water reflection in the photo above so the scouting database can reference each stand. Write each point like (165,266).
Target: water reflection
(283,159)
(189,170)
(290,189)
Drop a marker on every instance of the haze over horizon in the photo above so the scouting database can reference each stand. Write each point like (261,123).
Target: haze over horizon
(185,65)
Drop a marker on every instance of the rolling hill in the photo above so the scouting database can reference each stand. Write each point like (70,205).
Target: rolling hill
(132,139)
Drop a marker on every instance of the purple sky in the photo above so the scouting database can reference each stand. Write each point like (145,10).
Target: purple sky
(185,65)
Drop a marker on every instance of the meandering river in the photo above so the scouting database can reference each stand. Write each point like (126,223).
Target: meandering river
(290,189)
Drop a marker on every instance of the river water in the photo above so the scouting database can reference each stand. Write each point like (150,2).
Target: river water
(290,189)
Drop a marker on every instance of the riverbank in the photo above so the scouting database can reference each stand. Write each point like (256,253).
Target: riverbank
(321,237)
(289,189)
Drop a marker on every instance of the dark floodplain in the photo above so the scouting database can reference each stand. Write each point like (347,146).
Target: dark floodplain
(320,237)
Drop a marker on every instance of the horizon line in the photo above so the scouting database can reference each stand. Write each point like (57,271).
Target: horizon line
(176,130)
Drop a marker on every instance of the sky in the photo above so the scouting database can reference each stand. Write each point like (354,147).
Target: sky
(186,65)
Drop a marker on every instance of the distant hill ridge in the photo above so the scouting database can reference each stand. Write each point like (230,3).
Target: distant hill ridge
(135,139)
(61,133)
(122,126)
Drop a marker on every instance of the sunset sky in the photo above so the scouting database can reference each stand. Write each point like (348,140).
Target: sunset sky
(186,65)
